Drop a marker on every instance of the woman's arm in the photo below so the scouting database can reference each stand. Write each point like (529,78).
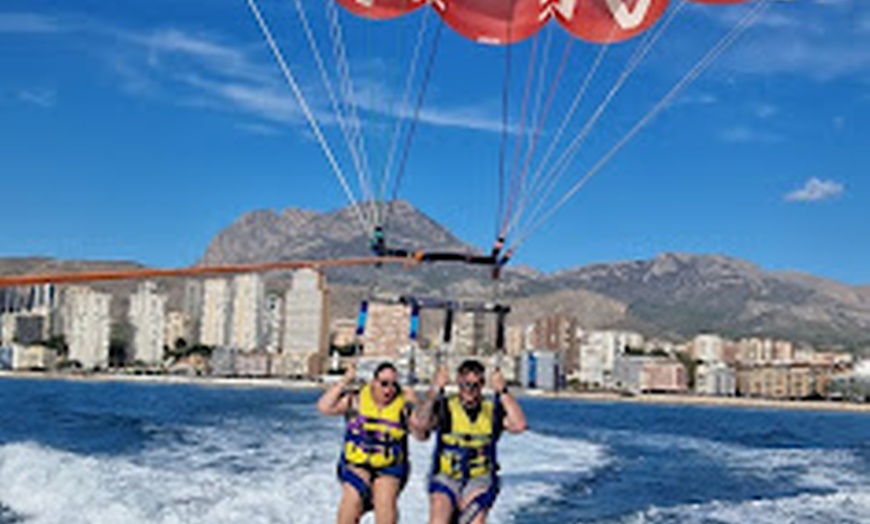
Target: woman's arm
(334,400)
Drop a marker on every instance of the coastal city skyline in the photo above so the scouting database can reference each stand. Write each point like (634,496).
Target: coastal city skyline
(230,327)
(760,159)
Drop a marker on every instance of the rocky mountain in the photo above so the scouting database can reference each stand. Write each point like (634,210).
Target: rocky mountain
(685,294)
(261,236)
(300,234)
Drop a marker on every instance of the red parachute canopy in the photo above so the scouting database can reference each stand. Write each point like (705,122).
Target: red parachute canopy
(508,21)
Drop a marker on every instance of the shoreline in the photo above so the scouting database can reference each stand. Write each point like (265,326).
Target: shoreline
(237,382)
(282,383)
(706,401)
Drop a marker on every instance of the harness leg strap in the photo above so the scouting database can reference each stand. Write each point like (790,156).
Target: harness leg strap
(481,502)
(346,475)
(437,487)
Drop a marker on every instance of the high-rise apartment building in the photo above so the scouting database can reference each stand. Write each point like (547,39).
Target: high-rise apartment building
(708,348)
(177,328)
(191,307)
(148,317)
(516,340)
(342,332)
(387,330)
(273,316)
(23,328)
(306,329)
(215,312)
(469,333)
(247,306)
(86,324)
(559,333)
(598,352)
(38,299)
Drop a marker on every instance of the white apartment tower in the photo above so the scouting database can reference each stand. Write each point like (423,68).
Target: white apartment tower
(708,348)
(469,332)
(177,327)
(273,317)
(598,353)
(306,330)
(148,316)
(246,312)
(215,309)
(86,326)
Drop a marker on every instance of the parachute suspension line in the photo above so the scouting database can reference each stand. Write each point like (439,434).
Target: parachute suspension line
(539,90)
(347,91)
(327,84)
(505,91)
(403,110)
(697,70)
(539,111)
(540,118)
(534,184)
(513,176)
(409,137)
(555,172)
(560,167)
(306,110)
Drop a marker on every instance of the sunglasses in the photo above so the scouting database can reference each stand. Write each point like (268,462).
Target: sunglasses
(470,385)
(389,384)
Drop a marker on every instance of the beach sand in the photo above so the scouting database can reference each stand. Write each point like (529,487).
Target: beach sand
(237,382)
(700,400)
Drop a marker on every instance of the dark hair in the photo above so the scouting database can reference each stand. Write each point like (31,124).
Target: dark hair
(471,366)
(382,366)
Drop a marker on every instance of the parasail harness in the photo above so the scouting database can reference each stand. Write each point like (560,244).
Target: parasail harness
(496,259)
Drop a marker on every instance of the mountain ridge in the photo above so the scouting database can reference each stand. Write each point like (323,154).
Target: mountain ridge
(675,295)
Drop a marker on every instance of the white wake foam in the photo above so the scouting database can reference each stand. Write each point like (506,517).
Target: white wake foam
(233,472)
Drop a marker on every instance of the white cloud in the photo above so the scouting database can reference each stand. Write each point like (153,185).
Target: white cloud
(266,102)
(815,190)
(42,98)
(220,58)
(258,129)
(821,40)
(742,134)
(699,99)
(765,111)
(210,72)
(27,23)
(821,60)
(472,118)
(225,78)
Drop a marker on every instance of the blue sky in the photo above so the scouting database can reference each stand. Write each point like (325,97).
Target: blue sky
(137,130)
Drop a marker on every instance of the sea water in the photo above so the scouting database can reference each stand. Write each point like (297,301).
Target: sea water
(118,453)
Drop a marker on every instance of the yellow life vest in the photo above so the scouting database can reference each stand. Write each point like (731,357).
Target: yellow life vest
(468,450)
(376,436)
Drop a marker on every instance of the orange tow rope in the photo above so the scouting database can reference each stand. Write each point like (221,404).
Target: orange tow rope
(135,274)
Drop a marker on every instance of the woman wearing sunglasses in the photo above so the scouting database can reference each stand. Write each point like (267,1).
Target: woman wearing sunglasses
(464,481)
(373,467)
